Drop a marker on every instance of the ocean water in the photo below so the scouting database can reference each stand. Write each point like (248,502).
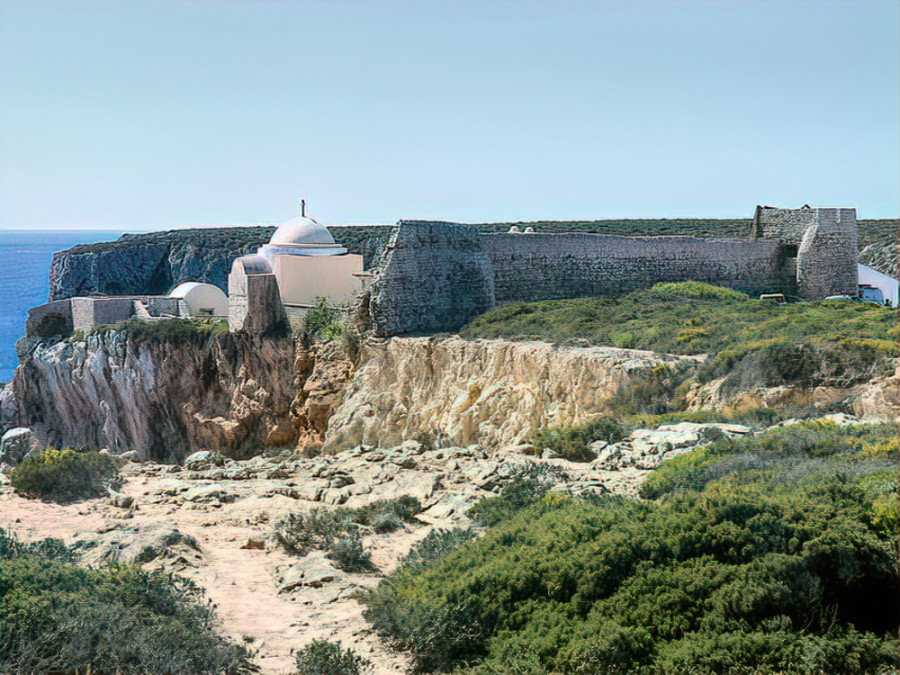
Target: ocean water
(25,279)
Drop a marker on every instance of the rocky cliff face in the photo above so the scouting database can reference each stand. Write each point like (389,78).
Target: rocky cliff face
(233,393)
(154,263)
(458,392)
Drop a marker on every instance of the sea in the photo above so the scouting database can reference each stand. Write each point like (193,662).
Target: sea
(25,279)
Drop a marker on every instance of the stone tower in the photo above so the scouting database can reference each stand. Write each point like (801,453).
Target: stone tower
(820,242)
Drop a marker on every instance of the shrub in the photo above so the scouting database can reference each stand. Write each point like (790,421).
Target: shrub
(525,488)
(572,442)
(323,322)
(774,555)
(321,657)
(66,474)
(349,554)
(298,533)
(650,392)
(168,331)
(337,529)
(52,324)
(56,617)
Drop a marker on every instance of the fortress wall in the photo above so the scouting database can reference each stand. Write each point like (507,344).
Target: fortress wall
(826,261)
(35,314)
(436,277)
(545,266)
(89,312)
(786,226)
(161,305)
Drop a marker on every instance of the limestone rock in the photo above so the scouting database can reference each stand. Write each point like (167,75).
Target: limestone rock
(16,444)
(138,546)
(456,392)
(161,399)
(203,460)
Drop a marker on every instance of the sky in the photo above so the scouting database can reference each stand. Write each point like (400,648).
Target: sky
(146,115)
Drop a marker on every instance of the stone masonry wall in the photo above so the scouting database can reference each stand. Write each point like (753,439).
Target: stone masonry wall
(436,277)
(826,261)
(786,226)
(545,266)
(61,307)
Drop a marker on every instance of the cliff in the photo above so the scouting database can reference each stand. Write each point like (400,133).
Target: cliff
(153,263)
(492,392)
(163,399)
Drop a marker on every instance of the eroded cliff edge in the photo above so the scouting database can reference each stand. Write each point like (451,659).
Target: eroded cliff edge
(239,394)
(452,391)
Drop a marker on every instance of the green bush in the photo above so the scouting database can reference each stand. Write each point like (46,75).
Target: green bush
(56,617)
(66,474)
(778,561)
(526,487)
(348,553)
(572,442)
(300,532)
(321,657)
(323,322)
(168,331)
(337,530)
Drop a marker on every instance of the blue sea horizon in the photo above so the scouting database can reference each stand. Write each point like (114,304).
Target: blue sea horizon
(26,283)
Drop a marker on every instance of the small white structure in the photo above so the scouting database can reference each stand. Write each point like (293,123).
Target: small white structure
(888,285)
(200,299)
(308,264)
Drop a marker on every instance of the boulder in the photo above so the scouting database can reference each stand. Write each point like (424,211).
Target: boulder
(204,459)
(16,444)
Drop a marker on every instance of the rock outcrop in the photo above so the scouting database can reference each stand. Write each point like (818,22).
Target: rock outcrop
(232,393)
(492,392)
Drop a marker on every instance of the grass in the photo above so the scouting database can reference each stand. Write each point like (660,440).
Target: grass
(689,318)
(168,331)
(825,343)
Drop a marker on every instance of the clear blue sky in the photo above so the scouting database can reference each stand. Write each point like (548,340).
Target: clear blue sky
(145,115)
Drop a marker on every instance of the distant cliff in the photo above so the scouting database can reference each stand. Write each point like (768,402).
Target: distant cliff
(155,262)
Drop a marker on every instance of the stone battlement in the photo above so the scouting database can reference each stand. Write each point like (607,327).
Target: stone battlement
(436,276)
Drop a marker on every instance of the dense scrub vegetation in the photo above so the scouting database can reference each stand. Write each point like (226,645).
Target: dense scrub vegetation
(770,554)
(168,331)
(57,617)
(66,474)
(572,442)
(758,342)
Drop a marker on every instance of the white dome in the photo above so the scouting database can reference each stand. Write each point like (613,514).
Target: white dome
(302,231)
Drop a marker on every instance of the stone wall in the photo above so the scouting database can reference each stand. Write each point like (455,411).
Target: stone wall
(786,226)
(826,261)
(544,266)
(436,277)
(89,312)
(62,308)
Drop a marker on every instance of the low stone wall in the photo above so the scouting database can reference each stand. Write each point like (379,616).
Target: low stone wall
(545,266)
(62,308)
(89,312)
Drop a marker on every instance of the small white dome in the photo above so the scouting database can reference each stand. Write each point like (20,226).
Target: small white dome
(302,231)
